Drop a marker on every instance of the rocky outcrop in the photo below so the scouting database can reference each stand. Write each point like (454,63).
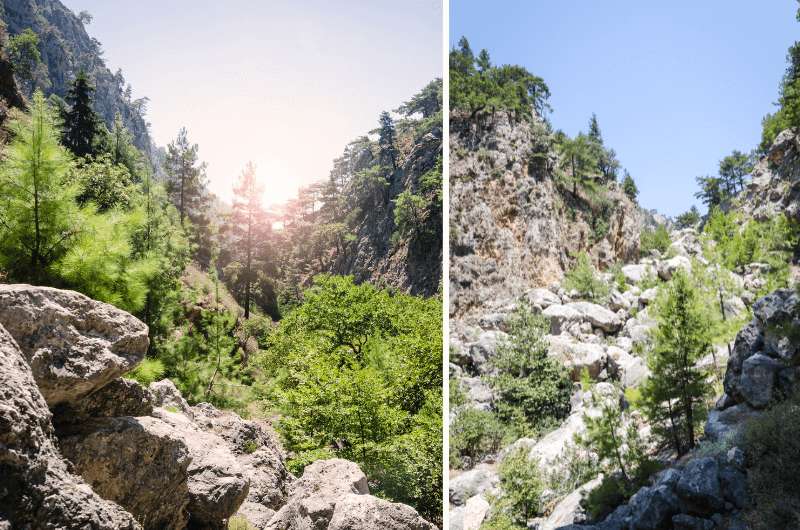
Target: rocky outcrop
(108,453)
(36,488)
(774,187)
(513,227)
(334,494)
(73,344)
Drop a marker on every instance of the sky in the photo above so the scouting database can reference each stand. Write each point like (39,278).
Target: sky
(675,85)
(285,84)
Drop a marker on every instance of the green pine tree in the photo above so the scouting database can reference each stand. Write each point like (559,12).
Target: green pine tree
(83,131)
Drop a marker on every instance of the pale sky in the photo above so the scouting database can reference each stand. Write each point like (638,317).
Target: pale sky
(283,83)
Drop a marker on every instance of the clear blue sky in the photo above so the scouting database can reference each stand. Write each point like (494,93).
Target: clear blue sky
(283,83)
(676,85)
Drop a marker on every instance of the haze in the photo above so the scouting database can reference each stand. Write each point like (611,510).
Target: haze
(284,84)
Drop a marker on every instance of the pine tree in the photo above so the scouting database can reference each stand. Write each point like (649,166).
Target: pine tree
(594,130)
(629,186)
(674,395)
(186,176)
(38,213)
(121,148)
(483,61)
(386,142)
(577,157)
(82,128)
(249,229)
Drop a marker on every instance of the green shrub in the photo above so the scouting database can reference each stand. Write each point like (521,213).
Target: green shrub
(457,396)
(473,434)
(148,371)
(500,521)
(533,390)
(655,239)
(237,522)
(522,484)
(250,446)
(602,500)
(584,279)
(772,446)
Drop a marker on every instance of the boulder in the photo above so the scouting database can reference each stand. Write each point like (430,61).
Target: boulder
(699,486)
(73,344)
(648,296)
(365,512)
(542,298)
(36,488)
(569,510)
(121,397)
(635,273)
(597,315)
(475,512)
(477,480)
(165,395)
(631,371)
(723,424)
(560,317)
(216,484)
(668,267)
(314,496)
(577,356)
(756,385)
(778,315)
(683,521)
(652,508)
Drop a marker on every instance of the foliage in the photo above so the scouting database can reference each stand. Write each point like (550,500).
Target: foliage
(386,142)
(83,131)
(186,176)
(358,370)
(574,467)
(474,434)
(584,279)
(533,390)
(409,214)
(522,484)
(477,87)
(674,395)
(427,102)
(688,219)
(629,186)
(772,443)
(23,51)
(38,215)
(103,182)
(654,239)
(148,371)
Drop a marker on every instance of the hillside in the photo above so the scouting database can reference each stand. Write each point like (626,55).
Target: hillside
(570,406)
(66,48)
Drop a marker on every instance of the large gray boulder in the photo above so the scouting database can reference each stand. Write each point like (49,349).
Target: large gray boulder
(365,512)
(139,463)
(652,508)
(577,356)
(36,488)
(73,344)
(758,379)
(699,486)
(668,267)
(597,315)
(477,480)
(561,316)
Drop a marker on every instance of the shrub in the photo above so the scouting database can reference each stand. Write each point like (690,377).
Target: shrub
(148,371)
(473,435)
(533,390)
(583,279)
(522,484)
(772,446)
(655,239)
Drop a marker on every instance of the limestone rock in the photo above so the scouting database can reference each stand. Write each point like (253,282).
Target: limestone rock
(36,488)
(73,344)
(597,315)
(699,486)
(477,480)
(165,395)
(121,397)
(475,512)
(365,512)
(668,267)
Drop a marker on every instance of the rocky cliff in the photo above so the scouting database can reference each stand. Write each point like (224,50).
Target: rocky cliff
(81,447)
(513,227)
(66,48)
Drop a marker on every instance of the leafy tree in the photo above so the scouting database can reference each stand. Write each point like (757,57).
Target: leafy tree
(629,186)
(674,395)
(583,278)
(103,183)
(23,50)
(38,214)
(474,434)
(386,142)
(83,131)
(712,193)
(688,219)
(409,214)
(533,389)
(186,177)
(121,150)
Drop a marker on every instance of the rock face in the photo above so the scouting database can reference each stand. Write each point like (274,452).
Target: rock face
(774,187)
(73,344)
(36,488)
(512,225)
